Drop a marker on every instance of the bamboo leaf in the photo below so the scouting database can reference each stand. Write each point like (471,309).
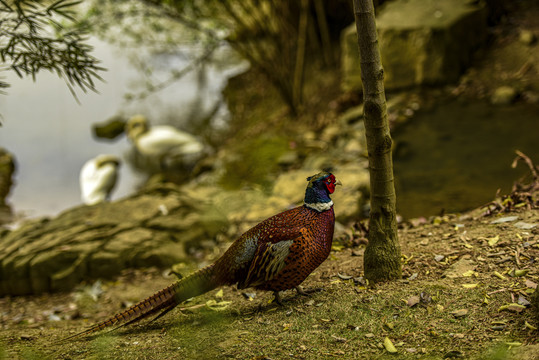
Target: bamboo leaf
(388,345)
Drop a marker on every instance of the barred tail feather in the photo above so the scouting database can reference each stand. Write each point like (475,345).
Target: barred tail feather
(164,300)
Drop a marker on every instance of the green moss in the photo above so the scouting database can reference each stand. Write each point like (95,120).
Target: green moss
(253,162)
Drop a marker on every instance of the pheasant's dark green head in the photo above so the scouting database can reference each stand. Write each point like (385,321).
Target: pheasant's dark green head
(318,190)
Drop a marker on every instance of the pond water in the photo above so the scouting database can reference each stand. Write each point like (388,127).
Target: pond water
(50,133)
(454,157)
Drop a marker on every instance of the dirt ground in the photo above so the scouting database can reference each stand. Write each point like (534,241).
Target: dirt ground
(464,294)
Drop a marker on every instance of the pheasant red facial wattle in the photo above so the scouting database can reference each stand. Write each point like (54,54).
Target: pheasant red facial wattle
(275,255)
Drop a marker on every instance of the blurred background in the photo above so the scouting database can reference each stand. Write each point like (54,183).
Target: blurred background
(271,87)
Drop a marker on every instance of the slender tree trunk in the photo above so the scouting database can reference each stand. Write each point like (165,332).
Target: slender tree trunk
(382,255)
(324,32)
(300,54)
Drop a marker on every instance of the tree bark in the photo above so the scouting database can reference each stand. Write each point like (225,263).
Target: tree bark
(297,86)
(382,255)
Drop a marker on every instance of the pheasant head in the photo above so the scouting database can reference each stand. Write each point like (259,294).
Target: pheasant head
(318,190)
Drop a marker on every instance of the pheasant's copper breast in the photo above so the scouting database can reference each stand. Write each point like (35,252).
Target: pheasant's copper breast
(311,233)
(307,252)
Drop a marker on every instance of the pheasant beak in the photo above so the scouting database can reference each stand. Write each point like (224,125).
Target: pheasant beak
(338,182)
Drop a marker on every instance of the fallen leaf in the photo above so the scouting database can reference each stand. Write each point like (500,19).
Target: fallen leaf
(469,273)
(529,326)
(344,277)
(458,268)
(493,240)
(339,339)
(504,219)
(439,258)
(459,313)
(389,346)
(219,294)
(513,307)
(524,226)
(519,273)
(217,306)
(513,344)
(413,301)
(523,301)
(249,296)
(470,286)
(530,284)
(498,275)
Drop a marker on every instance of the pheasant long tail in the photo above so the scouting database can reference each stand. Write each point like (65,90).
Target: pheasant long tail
(164,300)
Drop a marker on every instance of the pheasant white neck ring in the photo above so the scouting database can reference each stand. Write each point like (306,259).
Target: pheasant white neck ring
(320,206)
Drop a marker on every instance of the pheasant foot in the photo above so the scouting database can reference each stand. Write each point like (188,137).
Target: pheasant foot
(278,299)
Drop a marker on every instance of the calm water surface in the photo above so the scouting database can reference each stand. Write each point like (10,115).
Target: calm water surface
(456,156)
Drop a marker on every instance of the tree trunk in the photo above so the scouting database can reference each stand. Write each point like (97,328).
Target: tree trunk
(297,89)
(382,255)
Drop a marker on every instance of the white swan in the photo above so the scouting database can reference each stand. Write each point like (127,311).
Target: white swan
(162,141)
(97,178)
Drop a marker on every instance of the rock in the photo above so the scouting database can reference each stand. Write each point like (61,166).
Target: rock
(349,199)
(421,42)
(288,158)
(110,128)
(331,133)
(503,95)
(457,269)
(90,242)
(355,146)
(527,37)
(7,170)
(291,185)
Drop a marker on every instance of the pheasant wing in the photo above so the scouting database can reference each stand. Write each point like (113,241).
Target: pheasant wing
(269,260)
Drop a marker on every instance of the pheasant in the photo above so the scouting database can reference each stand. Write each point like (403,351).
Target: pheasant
(275,255)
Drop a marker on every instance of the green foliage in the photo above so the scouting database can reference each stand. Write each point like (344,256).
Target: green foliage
(33,37)
(256,161)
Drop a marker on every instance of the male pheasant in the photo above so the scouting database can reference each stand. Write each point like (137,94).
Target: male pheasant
(275,255)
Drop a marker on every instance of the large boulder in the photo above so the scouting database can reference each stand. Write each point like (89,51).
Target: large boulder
(421,42)
(153,228)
